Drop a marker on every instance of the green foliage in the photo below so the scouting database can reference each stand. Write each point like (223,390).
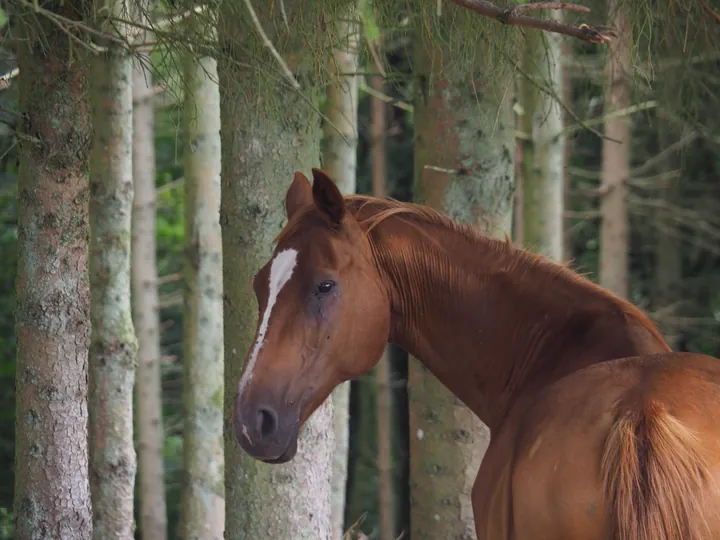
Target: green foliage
(6,524)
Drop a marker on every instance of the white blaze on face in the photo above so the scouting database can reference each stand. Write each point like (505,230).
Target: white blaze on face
(280,273)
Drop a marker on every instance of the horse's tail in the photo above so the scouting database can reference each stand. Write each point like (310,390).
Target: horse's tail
(654,476)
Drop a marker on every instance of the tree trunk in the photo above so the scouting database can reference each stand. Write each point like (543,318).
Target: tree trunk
(259,157)
(153,517)
(463,129)
(203,504)
(113,347)
(340,162)
(382,370)
(668,263)
(615,163)
(52,492)
(543,178)
(567,96)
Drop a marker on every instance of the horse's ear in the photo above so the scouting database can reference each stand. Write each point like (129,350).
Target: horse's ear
(327,196)
(298,195)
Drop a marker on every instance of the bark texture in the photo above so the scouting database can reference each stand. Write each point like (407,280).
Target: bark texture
(203,515)
(616,163)
(339,160)
(113,348)
(153,516)
(464,129)
(52,491)
(543,178)
(259,158)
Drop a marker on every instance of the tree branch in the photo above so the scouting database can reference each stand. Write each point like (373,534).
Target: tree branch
(511,17)
(710,10)
(266,41)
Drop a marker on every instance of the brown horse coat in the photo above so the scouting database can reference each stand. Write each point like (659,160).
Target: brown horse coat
(598,430)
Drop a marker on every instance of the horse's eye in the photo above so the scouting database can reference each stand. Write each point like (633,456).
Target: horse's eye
(325,287)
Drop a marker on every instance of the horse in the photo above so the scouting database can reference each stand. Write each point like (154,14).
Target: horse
(598,430)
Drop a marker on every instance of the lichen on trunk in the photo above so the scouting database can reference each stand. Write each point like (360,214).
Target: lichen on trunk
(52,492)
(203,498)
(464,166)
(260,153)
(113,346)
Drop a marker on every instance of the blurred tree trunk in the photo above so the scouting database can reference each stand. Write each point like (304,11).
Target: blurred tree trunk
(472,181)
(567,95)
(52,491)
(668,264)
(544,159)
(378,126)
(203,503)
(113,347)
(260,154)
(614,241)
(340,162)
(151,436)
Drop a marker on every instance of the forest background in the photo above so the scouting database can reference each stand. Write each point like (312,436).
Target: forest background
(639,216)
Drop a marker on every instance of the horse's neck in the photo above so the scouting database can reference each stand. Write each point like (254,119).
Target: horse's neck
(491,322)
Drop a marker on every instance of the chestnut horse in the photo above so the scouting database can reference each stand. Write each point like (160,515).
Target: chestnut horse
(598,430)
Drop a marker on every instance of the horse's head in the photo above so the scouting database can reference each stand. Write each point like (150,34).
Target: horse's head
(324,318)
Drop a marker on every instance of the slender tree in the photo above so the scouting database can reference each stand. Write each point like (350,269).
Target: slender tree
(616,162)
(339,157)
(378,125)
(113,348)
(267,134)
(52,491)
(464,166)
(544,147)
(153,518)
(203,503)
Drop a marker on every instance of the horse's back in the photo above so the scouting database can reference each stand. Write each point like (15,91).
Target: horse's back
(624,449)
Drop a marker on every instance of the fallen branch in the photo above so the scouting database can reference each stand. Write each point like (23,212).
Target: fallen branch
(511,16)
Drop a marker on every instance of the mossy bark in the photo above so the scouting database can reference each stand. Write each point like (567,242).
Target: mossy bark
(464,132)
(544,149)
(52,491)
(148,388)
(113,347)
(203,498)
(339,159)
(259,156)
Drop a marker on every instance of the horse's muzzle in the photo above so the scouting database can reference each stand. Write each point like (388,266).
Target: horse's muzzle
(263,433)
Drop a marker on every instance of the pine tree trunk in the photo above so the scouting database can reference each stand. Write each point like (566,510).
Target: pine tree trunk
(616,163)
(259,157)
(382,369)
(567,96)
(543,178)
(153,516)
(668,262)
(465,130)
(113,347)
(52,491)
(339,159)
(203,515)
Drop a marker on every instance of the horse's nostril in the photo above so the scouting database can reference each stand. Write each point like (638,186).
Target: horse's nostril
(267,422)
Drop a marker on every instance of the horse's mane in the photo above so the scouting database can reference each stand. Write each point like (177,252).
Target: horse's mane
(370,212)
